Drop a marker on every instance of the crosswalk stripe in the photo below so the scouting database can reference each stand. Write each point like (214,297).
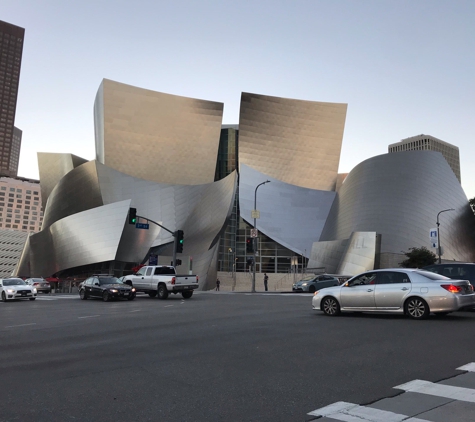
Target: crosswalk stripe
(350,412)
(439,390)
(470,367)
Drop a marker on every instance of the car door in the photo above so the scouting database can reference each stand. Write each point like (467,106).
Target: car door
(138,279)
(358,293)
(96,289)
(147,280)
(87,286)
(392,288)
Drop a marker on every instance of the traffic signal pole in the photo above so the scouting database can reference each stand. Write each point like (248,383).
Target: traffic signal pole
(173,233)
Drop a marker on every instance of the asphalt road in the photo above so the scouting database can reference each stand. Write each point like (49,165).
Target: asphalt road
(215,357)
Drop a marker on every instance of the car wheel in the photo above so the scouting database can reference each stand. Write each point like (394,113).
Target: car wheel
(82,294)
(330,306)
(417,308)
(4,298)
(312,289)
(187,294)
(106,297)
(152,294)
(32,298)
(162,291)
(132,297)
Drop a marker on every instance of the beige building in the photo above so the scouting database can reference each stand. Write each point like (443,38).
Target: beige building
(20,204)
(427,142)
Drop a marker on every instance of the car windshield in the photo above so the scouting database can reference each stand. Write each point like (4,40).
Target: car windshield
(308,278)
(109,280)
(13,282)
(432,276)
(36,280)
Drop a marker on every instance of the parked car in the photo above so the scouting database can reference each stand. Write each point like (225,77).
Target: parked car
(313,283)
(16,288)
(105,287)
(40,284)
(412,292)
(456,270)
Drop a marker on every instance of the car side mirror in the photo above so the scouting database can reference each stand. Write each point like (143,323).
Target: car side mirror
(96,284)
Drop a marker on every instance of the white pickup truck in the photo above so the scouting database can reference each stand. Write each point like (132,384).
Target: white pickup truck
(161,280)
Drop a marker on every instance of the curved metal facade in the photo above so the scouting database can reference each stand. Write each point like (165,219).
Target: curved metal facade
(294,141)
(155,136)
(291,215)
(52,168)
(85,219)
(398,196)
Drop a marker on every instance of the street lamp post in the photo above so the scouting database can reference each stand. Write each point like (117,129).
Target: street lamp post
(438,234)
(254,240)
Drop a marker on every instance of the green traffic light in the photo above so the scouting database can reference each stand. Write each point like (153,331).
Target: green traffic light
(134,220)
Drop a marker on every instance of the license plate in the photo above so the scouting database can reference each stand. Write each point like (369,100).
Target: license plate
(23,293)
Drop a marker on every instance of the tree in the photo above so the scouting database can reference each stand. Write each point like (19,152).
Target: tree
(418,258)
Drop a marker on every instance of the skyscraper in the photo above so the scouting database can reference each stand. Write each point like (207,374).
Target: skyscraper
(11,49)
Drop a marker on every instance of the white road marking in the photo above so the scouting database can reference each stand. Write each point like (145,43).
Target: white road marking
(21,325)
(439,390)
(136,310)
(89,316)
(470,367)
(167,306)
(350,412)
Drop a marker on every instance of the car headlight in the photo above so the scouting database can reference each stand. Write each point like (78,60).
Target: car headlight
(34,290)
(113,290)
(305,284)
(10,291)
(133,290)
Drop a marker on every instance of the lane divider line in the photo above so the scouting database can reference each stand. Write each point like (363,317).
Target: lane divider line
(21,325)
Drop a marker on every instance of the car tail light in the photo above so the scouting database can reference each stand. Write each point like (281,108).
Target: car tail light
(197,278)
(36,284)
(452,288)
(173,280)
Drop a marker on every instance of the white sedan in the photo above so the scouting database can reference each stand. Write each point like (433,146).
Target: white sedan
(16,288)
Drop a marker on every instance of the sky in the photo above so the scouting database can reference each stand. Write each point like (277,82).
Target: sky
(404,67)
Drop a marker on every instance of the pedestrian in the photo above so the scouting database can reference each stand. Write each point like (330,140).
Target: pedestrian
(217,284)
(266,279)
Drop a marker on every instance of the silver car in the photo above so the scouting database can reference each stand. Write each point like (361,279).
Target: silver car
(413,292)
(40,284)
(313,283)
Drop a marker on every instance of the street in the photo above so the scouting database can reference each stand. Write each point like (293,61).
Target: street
(214,357)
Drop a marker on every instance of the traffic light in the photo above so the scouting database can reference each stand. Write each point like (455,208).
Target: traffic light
(250,245)
(179,241)
(132,215)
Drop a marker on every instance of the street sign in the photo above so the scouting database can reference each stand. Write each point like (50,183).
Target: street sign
(142,226)
(433,237)
(254,233)
(255,214)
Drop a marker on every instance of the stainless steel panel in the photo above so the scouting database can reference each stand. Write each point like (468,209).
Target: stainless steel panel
(399,196)
(294,141)
(52,168)
(155,136)
(291,215)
